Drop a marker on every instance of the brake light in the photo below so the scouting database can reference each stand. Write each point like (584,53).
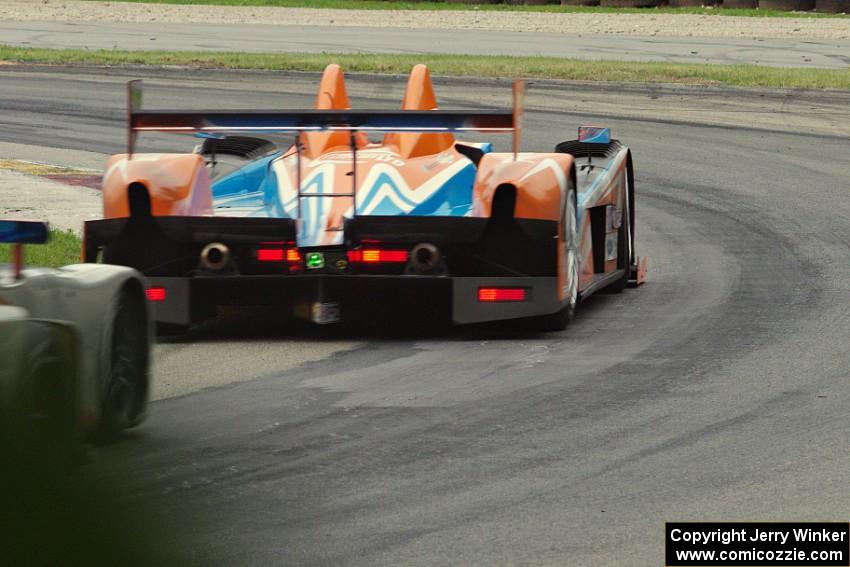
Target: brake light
(377,256)
(155,293)
(270,254)
(494,294)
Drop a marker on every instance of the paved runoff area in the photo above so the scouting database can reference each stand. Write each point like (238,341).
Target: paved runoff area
(686,38)
(30,197)
(679,25)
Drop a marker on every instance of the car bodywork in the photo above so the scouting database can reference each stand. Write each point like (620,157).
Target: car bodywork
(337,220)
(69,315)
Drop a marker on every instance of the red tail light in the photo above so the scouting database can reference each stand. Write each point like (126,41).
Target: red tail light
(493,294)
(377,256)
(277,254)
(155,293)
(270,255)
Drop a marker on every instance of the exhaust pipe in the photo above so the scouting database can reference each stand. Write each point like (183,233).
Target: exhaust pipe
(215,256)
(425,258)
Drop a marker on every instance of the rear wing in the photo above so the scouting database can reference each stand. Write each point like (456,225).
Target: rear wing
(296,121)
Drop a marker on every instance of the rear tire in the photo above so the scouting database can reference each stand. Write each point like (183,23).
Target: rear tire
(125,395)
(559,320)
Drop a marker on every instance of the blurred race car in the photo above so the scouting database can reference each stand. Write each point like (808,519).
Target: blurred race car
(338,225)
(75,351)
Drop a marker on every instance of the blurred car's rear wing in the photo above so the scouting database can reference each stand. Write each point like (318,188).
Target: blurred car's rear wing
(18,233)
(296,121)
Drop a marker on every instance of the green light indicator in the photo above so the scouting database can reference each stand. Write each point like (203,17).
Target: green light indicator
(315,260)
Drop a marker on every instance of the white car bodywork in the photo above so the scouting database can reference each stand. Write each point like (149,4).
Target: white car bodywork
(82,297)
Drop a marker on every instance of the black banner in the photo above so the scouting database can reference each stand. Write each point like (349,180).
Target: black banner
(761,544)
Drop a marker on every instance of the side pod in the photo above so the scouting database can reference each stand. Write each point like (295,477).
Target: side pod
(540,181)
(178,184)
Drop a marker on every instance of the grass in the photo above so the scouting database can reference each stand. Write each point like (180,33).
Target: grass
(454,65)
(63,248)
(401,5)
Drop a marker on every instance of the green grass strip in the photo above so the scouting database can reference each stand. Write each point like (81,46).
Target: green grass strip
(456,65)
(63,248)
(401,5)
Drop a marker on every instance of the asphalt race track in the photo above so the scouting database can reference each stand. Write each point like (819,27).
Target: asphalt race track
(718,391)
(811,53)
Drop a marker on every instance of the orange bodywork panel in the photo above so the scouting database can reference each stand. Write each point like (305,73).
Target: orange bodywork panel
(332,95)
(419,95)
(178,184)
(540,179)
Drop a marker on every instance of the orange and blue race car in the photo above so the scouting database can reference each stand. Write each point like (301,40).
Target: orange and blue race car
(337,224)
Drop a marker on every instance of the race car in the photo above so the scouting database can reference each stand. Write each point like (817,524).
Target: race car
(74,351)
(338,225)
